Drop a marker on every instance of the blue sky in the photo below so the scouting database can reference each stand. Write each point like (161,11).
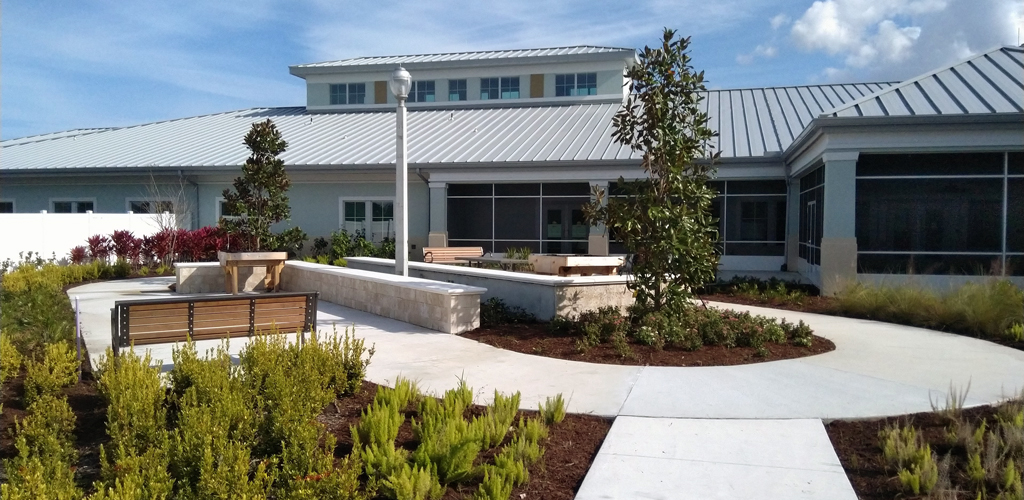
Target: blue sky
(88,63)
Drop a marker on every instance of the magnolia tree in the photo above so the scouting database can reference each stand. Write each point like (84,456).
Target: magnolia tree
(665,220)
(258,200)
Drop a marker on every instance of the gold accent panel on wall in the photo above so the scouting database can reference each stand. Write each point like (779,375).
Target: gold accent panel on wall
(536,86)
(380,92)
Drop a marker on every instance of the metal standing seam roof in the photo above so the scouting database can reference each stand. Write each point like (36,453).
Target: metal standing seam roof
(451,137)
(751,123)
(466,56)
(758,121)
(990,82)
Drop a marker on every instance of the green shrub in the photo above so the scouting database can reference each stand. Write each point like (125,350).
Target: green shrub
(413,483)
(399,397)
(494,312)
(57,370)
(378,424)
(339,483)
(922,475)
(496,421)
(33,479)
(42,467)
(10,359)
(452,445)
(988,309)
(553,410)
(495,486)
(135,476)
(136,416)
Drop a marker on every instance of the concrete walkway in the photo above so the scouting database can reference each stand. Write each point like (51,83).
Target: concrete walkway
(877,369)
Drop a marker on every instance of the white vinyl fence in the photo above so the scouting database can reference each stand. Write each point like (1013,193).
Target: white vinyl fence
(50,234)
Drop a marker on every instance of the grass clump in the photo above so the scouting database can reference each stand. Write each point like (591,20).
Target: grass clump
(992,309)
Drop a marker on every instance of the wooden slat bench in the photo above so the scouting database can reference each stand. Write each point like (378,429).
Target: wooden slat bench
(450,255)
(158,321)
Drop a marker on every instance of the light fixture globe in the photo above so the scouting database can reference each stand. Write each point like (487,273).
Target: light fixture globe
(400,83)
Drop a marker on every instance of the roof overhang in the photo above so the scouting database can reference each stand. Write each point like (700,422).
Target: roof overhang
(977,132)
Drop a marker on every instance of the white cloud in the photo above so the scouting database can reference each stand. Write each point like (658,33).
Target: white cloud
(411,26)
(762,51)
(779,21)
(895,39)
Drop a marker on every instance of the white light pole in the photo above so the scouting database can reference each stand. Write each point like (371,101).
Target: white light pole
(401,83)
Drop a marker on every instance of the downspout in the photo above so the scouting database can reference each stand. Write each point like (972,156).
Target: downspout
(195,217)
(427,182)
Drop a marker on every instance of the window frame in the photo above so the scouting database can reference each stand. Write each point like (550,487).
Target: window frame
(462,93)
(564,88)
(494,90)
(421,95)
(220,214)
(128,204)
(345,93)
(368,220)
(74,207)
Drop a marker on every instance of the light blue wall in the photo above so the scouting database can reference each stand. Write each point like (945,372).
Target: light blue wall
(316,210)
(109,198)
(315,206)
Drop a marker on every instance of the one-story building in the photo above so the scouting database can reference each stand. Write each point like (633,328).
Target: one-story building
(868,181)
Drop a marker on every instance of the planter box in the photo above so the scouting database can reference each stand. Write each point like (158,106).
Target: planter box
(272,261)
(568,265)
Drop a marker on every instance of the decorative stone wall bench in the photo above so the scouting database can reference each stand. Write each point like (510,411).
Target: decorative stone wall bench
(542,296)
(437,305)
(208,277)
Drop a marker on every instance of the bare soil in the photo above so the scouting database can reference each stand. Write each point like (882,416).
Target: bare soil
(535,338)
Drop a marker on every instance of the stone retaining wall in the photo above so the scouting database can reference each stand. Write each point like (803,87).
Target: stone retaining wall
(445,307)
(542,296)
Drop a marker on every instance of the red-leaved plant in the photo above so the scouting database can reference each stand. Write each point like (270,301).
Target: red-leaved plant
(126,246)
(78,254)
(99,247)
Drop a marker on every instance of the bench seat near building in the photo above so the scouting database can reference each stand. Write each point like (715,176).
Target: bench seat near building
(451,255)
(179,319)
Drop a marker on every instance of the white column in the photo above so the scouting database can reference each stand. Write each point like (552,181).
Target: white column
(839,238)
(401,198)
(438,235)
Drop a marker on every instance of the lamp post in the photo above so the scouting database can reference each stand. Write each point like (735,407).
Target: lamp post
(401,83)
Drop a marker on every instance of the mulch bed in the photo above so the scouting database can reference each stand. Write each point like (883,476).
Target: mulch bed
(811,304)
(857,445)
(534,338)
(568,451)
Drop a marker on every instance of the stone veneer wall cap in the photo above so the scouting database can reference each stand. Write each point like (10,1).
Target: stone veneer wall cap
(187,265)
(539,279)
(389,279)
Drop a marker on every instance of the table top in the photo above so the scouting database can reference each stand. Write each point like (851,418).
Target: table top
(495,259)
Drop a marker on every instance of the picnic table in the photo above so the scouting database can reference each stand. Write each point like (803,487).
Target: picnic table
(502,262)
(273,261)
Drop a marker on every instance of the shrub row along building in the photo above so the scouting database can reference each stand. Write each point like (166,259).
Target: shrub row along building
(834,182)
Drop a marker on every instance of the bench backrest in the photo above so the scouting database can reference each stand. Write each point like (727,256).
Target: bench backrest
(158,321)
(449,254)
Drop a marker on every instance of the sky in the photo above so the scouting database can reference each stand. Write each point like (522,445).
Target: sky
(93,63)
